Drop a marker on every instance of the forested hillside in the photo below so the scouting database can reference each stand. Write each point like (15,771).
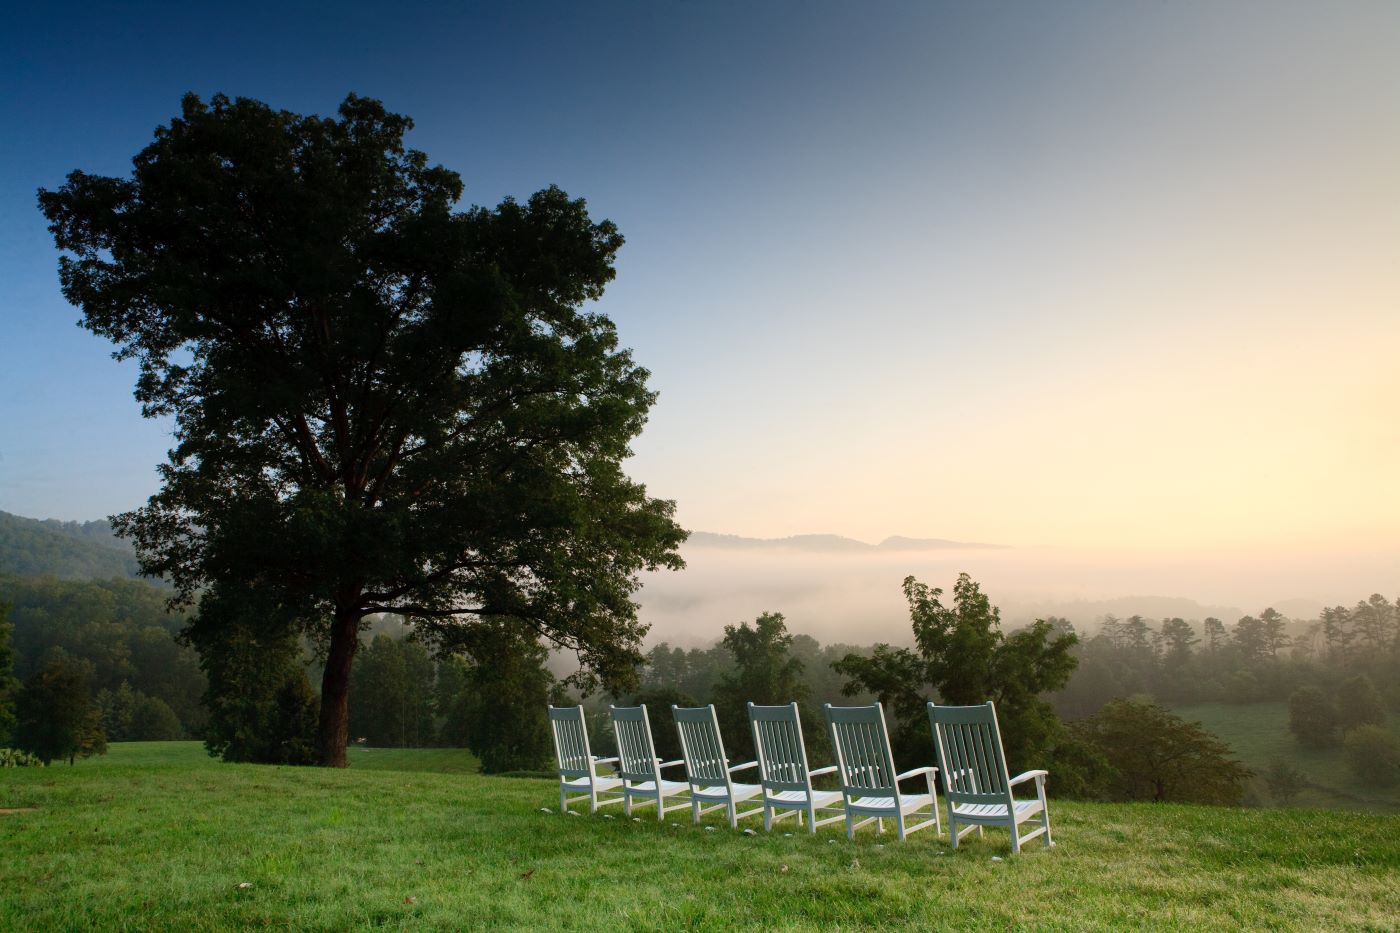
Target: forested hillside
(120,635)
(32,547)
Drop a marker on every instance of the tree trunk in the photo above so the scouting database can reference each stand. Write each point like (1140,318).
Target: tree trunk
(333,732)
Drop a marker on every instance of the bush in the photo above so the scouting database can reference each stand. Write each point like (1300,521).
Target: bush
(1157,756)
(1359,703)
(1312,718)
(1373,756)
(1284,780)
(152,720)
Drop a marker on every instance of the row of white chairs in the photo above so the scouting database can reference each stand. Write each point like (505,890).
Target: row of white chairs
(976,784)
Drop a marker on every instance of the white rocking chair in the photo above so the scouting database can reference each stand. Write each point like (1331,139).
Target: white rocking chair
(707,769)
(578,767)
(782,763)
(638,766)
(866,768)
(975,778)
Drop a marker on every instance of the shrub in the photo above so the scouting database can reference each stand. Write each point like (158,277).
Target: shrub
(152,720)
(1161,757)
(1373,756)
(1312,717)
(1284,780)
(1359,703)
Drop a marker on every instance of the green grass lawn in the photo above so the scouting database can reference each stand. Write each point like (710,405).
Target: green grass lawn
(1258,733)
(158,836)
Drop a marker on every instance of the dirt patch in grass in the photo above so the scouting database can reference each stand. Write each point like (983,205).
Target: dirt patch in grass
(11,811)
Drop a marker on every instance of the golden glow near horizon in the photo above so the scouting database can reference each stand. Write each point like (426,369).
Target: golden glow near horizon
(1145,297)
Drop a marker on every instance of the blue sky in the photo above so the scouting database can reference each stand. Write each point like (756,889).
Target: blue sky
(1082,273)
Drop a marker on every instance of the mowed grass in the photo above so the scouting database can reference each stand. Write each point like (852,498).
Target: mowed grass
(1258,734)
(158,836)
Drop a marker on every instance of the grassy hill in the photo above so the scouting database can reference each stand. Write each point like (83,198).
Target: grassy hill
(158,836)
(1258,733)
(68,550)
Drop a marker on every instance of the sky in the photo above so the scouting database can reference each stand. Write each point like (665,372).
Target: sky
(1121,278)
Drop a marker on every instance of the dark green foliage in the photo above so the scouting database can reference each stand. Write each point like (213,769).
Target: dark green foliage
(1312,717)
(1373,755)
(391,694)
(57,718)
(1157,756)
(121,627)
(1284,780)
(9,685)
(1359,703)
(962,658)
(766,673)
(664,736)
(261,706)
(154,721)
(115,709)
(504,704)
(67,550)
(380,404)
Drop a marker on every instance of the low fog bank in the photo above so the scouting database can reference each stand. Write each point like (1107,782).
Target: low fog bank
(856,597)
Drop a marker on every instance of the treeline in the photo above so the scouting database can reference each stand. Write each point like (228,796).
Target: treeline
(1259,658)
(1128,748)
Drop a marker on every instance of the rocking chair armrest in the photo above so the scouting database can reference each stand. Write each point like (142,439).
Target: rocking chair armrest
(747,764)
(670,764)
(829,769)
(604,761)
(915,772)
(1021,778)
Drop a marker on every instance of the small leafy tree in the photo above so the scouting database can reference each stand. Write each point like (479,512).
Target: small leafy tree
(391,693)
(1284,780)
(152,720)
(116,708)
(962,658)
(1359,703)
(57,717)
(765,673)
(1312,718)
(1373,756)
(507,694)
(261,706)
(1161,757)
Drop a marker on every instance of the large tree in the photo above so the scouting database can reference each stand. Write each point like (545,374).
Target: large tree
(381,403)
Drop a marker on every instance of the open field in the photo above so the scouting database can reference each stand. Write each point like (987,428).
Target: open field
(1258,733)
(158,836)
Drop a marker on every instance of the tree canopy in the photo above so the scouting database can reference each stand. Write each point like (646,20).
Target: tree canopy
(57,718)
(381,403)
(962,658)
(1157,756)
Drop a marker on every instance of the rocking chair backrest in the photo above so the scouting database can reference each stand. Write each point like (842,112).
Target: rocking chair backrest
(702,746)
(777,740)
(863,758)
(571,741)
(970,754)
(636,755)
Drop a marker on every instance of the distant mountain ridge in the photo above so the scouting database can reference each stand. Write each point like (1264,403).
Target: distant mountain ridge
(32,547)
(827,543)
